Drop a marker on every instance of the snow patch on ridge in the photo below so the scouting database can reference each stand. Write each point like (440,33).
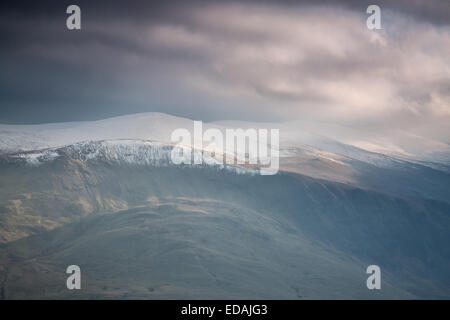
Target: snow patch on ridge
(125,152)
(36,158)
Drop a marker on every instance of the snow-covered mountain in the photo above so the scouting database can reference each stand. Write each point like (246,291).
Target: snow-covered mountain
(145,126)
(105,193)
(159,127)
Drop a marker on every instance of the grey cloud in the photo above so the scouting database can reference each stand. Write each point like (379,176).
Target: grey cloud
(210,60)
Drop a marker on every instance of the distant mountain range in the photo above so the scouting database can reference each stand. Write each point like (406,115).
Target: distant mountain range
(158,127)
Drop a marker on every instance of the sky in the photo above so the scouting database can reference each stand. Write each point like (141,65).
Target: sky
(225,60)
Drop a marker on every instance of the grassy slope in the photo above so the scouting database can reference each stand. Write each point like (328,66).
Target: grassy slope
(199,233)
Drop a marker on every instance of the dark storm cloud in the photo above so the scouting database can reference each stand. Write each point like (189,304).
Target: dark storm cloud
(220,60)
(433,11)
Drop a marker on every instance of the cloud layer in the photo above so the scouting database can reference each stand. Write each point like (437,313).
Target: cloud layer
(252,60)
